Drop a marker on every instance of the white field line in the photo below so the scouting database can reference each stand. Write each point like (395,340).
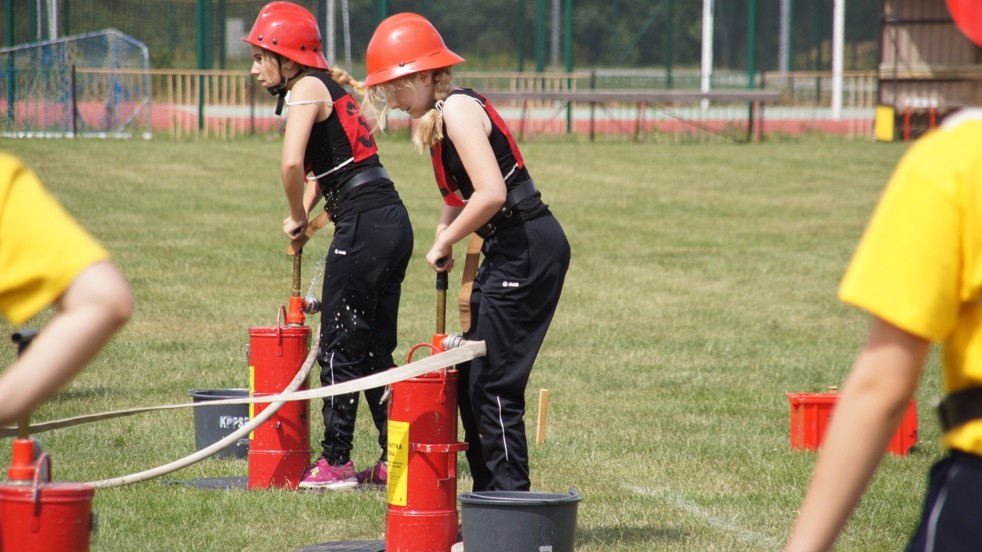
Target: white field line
(709,518)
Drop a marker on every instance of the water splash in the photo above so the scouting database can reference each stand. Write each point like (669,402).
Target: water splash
(317,278)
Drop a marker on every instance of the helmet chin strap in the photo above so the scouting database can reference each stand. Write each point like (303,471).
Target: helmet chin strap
(280,89)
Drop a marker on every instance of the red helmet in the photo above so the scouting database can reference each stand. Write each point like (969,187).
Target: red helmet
(291,31)
(968,18)
(404,44)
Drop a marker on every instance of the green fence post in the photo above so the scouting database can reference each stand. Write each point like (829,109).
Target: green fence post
(204,54)
(568,23)
(540,35)
(11,77)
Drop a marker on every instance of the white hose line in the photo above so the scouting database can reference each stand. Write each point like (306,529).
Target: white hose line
(468,350)
(245,429)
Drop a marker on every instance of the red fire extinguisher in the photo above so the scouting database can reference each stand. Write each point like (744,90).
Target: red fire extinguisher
(279,449)
(36,513)
(422,454)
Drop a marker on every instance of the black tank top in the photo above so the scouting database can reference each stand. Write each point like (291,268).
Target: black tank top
(341,147)
(449,167)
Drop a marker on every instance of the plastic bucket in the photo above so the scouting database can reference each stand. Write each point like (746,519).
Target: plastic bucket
(519,521)
(213,423)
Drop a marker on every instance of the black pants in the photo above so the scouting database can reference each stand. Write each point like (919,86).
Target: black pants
(514,297)
(363,276)
(950,520)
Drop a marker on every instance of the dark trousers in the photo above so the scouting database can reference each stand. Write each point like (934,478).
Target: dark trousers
(950,520)
(363,276)
(514,297)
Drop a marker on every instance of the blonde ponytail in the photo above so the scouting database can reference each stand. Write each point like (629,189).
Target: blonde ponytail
(343,78)
(429,131)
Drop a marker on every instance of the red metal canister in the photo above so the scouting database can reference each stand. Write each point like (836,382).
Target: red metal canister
(422,455)
(279,449)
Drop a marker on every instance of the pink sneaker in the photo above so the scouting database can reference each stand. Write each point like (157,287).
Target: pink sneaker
(322,475)
(376,475)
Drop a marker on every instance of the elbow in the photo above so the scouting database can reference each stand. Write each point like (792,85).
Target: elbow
(112,296)
(289,165)
(121,307)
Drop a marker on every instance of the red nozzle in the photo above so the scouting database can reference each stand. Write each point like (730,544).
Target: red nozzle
(438,342)
(22,461)
(294,315)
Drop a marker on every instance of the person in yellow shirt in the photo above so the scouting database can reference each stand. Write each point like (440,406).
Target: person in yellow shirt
(918,272)
(46,258)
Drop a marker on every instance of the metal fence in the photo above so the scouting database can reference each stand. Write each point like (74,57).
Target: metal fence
(537,106)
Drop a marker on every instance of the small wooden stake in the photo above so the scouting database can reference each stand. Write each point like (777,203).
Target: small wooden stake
(540,431)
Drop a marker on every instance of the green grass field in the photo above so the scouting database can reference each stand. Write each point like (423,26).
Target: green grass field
(702,289)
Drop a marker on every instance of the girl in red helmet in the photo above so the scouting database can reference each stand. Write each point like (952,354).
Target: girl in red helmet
(918,273)
(327,137)
(486,189)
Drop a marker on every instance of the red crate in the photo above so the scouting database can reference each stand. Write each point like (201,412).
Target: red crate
(810,414)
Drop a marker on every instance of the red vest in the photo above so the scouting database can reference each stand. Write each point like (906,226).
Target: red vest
(446,185)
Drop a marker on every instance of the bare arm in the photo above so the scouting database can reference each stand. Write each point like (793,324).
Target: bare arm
(96,304)
(468,126)
(874,398)
(311,195)
(304,112)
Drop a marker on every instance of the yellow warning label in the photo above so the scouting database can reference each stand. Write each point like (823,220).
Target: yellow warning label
(398,457)
(252,389)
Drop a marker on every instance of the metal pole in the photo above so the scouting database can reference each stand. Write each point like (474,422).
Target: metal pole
(330,30)
(11,76)
(593,104)
(751,61)
(838,46)
(520,38)
(346,23)
(784,37)
(52,19)
(669,43)
(204,54)
(554,37)
(74,105)
(8,10)
(751,43)
(540,35)
(569,62)
(222,31)
(706,72)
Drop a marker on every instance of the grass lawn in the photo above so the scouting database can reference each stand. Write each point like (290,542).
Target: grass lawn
(702,289)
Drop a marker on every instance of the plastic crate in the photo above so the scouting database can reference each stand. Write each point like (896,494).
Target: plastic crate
(810,414)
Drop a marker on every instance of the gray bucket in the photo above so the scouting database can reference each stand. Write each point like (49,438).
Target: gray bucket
(519,521)
(213,423)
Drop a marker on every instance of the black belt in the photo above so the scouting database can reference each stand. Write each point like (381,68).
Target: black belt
(372,174)
(515,196)
(960,407)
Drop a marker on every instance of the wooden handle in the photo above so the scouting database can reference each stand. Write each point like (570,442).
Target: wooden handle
(320,221)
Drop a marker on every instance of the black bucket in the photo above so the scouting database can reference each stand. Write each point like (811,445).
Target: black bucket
(519,521)
(213,423)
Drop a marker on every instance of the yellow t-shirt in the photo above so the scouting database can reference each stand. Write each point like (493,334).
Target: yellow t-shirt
(919,263)
(42,248)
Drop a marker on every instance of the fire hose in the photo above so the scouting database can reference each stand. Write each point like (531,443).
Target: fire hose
(464,351)
(452,351)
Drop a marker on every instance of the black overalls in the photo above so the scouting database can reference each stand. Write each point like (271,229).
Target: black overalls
(514,297)
(364,268)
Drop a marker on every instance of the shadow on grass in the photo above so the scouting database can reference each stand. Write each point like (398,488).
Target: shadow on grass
(75,394)
(628,535)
